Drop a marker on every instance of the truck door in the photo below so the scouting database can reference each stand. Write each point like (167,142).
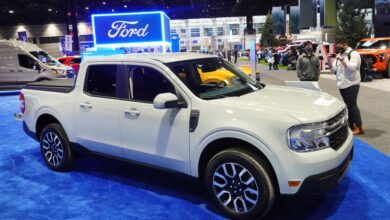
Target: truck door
(97,110)
(154,136)
(28,69)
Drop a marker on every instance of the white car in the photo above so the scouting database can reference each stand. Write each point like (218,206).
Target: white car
(248,142)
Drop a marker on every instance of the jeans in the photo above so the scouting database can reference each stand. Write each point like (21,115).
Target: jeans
(350,98)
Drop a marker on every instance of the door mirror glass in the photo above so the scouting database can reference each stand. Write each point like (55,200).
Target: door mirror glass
(168,100)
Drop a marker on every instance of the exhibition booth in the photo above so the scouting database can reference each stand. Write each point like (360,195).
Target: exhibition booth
(141,131)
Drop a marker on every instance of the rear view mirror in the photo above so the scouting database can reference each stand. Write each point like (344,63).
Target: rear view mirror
(168,100)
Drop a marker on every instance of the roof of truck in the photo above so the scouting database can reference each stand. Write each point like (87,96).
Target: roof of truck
(164,58)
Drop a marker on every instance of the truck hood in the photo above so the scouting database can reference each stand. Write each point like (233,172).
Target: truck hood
(307,106)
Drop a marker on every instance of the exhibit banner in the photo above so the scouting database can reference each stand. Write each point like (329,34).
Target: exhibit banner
(22,36)
(131,29)
(382,18)
(68,43)
(294,19)
(175,42)
(278,21)
(308,17)
(328,14)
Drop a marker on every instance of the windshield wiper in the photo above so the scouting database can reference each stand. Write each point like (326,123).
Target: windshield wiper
(213,97)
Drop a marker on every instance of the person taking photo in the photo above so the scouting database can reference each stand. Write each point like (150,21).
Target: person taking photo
(308,64)
(346,66)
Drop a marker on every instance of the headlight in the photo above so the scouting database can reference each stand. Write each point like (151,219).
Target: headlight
(313,137)
(60,71)
(308,138)
(382,57)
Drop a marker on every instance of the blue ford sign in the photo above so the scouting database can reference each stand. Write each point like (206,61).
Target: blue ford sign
(131,29)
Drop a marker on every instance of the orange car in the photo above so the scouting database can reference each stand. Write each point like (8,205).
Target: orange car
(222,75)
(377,51)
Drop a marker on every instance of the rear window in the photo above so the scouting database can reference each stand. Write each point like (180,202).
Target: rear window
(101,80)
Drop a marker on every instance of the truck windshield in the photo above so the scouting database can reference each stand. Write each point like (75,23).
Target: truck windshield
(214,78)
(45,58)
(373,44)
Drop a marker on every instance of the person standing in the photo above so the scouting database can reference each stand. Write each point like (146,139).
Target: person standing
(229,55)
(346,66)
(275,56)
(235,55)
(308,64)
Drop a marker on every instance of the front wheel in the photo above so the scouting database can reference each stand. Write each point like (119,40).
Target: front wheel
(240,184)
(55,148)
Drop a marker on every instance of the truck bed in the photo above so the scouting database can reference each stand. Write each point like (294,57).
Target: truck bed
(55,85)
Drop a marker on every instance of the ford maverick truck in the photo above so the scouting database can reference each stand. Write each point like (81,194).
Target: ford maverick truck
(248,142)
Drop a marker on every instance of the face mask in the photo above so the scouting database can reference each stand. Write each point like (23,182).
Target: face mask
(340,50)
(308,50)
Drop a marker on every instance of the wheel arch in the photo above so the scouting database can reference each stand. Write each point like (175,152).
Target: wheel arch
(220,144)
(43,120)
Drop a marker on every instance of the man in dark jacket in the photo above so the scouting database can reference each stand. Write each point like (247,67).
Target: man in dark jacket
(308,64)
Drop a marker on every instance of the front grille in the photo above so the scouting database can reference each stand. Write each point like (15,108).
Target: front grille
(338,129)
(338,138)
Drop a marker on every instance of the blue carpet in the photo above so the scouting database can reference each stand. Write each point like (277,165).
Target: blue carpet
(101,188)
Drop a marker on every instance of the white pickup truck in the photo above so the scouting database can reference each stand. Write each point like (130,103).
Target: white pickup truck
(247,141)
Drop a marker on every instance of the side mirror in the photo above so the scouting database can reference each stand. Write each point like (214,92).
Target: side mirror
(168,100)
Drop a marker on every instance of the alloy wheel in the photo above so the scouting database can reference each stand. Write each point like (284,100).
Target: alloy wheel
(53,150)
(235,187)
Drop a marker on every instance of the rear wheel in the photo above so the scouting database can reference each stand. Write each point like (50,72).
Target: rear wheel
(55,148)
(240,184)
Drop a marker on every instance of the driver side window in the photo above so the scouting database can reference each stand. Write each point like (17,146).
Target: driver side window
(27,62)
(146,83)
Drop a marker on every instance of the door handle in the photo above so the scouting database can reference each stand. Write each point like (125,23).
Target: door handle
(132,112)
(86,105)
(12,71)
(20,71)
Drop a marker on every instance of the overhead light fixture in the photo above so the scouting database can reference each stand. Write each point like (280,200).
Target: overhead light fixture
(87,8)
(104,3)
(125,6)
(112,10)
(50,9)
(11,11)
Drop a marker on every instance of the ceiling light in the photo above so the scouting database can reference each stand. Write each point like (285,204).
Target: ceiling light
(112,10)
(104,3)
(125,6)
(11,11)
(49,9)
(87,8)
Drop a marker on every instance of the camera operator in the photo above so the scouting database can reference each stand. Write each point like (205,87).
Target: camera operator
(348,81)
(308,64)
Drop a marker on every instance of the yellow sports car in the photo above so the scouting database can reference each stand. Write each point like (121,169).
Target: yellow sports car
(222,75)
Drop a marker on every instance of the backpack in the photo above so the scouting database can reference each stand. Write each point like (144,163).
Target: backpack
(364,76)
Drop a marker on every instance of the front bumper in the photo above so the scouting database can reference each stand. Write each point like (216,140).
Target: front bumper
(323,182)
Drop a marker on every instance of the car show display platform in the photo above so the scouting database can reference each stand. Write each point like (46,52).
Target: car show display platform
(104,188)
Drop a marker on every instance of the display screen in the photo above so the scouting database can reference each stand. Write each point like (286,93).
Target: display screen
(130,28)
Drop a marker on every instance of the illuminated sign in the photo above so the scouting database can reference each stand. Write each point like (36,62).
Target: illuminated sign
(131,29)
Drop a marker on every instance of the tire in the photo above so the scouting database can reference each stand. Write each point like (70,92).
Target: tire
(235,194)
(387,72)
(54,144)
